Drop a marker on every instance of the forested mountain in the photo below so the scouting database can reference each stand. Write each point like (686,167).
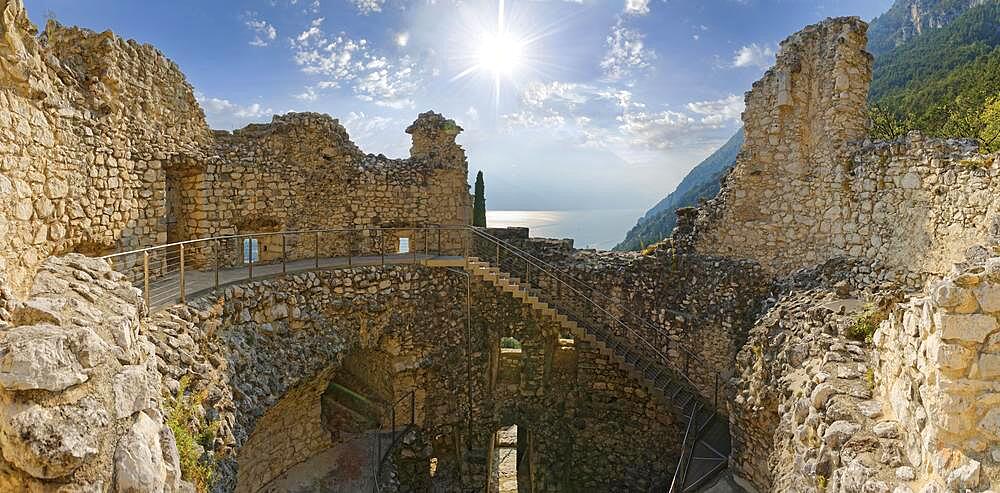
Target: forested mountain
(702,182)
(907,19)
(937,69)
(942,81)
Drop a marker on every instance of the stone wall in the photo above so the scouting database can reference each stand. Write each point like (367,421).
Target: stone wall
(938,372)
(804,417)
(80,388)
(302,172)
(592,426)
(92,118)
(696,310)
(806,188)
(108,150)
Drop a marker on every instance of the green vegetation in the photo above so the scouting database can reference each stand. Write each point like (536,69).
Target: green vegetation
(479,204)
(701,183)
(866,324)
(509,343)
(193,435)
(945,83)
(870,378)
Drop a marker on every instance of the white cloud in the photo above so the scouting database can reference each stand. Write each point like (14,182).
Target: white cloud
(611,118)
(626,52)
(263,32)
(720,111)
(368,6)
(224,114)
(371,131)
(754,55)
(637,7)
(343,61)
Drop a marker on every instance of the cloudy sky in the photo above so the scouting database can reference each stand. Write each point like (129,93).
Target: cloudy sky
(567,104)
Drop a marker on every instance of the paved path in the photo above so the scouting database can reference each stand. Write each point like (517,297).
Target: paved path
(165,291)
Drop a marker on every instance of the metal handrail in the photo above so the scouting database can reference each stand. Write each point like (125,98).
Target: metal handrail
(544,268)
(620,306)
(380,455)
(162,286)
(275,233)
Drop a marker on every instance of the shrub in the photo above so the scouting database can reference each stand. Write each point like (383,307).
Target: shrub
(510,343)
(866,324)
(193,435)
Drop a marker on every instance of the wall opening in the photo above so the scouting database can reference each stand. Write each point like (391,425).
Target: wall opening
(404,245)
(510,464)
(251,250)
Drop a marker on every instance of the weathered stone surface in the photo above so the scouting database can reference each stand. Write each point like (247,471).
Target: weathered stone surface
(133,391)
(48,357)
(51,442)
(971,328)
(139,465)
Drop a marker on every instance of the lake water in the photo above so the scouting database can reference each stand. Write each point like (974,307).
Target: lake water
(600,228)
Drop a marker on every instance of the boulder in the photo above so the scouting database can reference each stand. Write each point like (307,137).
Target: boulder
(48,357)
(51,442)
(139,464)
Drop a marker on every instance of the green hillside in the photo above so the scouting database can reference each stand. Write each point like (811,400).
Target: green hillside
(702,182)
(942,81)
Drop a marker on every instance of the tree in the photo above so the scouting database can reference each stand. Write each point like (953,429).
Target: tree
(479,204)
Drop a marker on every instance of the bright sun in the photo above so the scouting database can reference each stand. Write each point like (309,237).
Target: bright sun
(500,54)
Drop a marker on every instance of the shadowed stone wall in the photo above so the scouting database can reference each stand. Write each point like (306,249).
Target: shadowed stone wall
(593,427)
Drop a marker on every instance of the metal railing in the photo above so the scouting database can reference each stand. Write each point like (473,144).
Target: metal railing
(173,273)
(397,430)
(573,298)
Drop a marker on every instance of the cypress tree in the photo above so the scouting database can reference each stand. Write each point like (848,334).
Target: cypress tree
(479,204)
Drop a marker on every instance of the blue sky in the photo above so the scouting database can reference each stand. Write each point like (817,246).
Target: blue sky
(602,104)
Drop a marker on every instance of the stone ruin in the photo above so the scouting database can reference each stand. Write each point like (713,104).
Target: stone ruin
(818,238)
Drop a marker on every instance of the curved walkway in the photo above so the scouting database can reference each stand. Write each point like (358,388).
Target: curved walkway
(165,291)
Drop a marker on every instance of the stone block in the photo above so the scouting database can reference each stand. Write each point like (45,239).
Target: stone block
(968,328)
(989,367)
(952,357)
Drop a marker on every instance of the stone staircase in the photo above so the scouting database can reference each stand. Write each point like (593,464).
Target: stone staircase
(706,445)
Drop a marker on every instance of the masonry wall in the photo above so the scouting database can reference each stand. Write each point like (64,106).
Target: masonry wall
(938,370)
(91,119)
(807,188)
(109,151)
(593,427)
(694,310)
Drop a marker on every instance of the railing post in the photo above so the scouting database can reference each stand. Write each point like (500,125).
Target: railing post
(716,396)
(498,254)
(284,254)
(413,251)
(251,256)
(218,248)
(181,279)
(413,408)
(145,278)
(350,247)
(466,244)
(381,244)
(316,250)
(439,240)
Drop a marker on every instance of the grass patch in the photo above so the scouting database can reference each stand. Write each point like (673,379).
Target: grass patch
(509,343)
(866,324)
(193,435)
(870,379)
